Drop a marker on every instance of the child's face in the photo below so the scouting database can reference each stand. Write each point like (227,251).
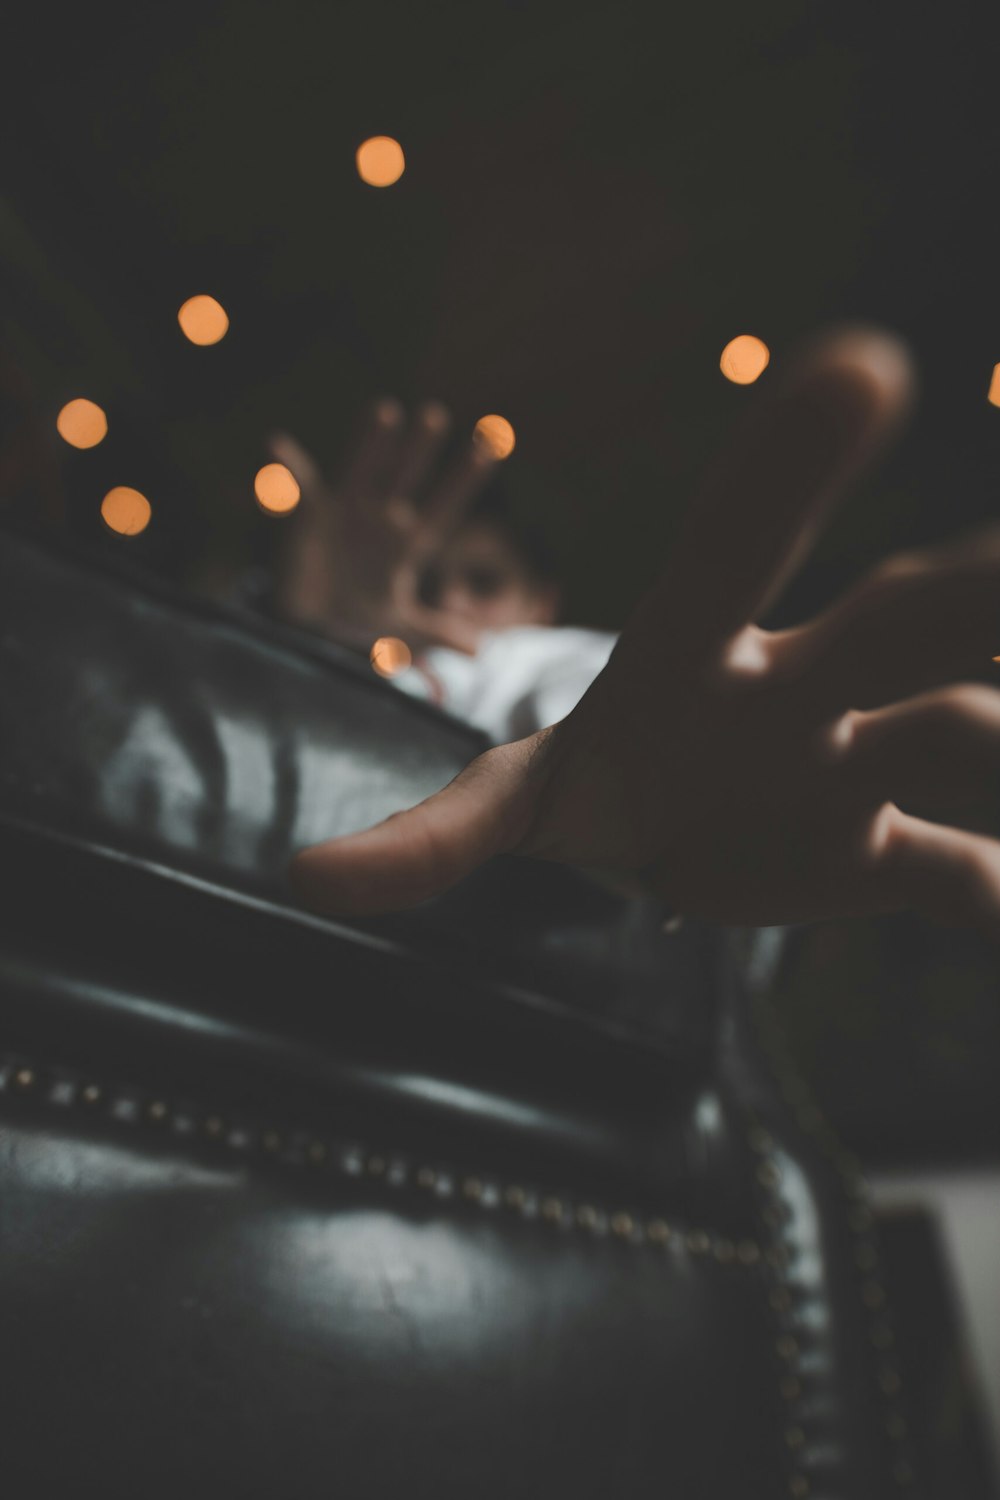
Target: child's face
(479,576)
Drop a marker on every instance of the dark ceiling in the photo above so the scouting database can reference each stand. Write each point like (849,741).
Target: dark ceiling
(597,198)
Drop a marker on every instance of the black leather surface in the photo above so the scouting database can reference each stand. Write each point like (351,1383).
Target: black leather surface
(295,1209)
(198,738)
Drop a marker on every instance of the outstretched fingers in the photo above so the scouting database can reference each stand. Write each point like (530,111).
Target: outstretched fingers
(458,487)
(371,463)
(920,620)
(945,874)
(418,450)
(938,751)
(767,498)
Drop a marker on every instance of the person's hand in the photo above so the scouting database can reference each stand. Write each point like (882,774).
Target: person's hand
(355,551)
(749,776)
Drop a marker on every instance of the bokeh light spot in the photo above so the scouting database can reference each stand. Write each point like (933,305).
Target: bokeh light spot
(203,320)
(744,359)
(496,435)
(126,511)
(994,392)
(390,655)
(276,489)
(380,161)
(82,423)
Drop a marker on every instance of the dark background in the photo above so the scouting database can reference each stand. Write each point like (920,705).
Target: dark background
(596,199)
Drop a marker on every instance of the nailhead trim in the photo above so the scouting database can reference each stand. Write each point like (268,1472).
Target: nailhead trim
(302,1148)
(860,1219)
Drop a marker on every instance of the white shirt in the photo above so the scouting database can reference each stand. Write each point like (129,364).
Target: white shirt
(520,680)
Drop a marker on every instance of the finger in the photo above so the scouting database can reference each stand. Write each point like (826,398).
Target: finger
(365,476)
(917,621)
(766,500)
(450,499)
(418,854)
(419,449)
(939,750)
(302,582)
(290,452)
(943,873)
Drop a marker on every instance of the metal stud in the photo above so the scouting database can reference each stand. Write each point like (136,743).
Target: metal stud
(798,1486)
(902,1473)
(271,1141)
(658,1231)
(794,1437)
(514,1197)
(622,1225)
(426,1177)
(786,1347)
(790,1387)
(780,1298)
(725,1252)
(872,1295)
(698,1242)
(213,1126)
(375,1166)
(157,1110)
(472,1189)
(889,1381)
(748,1252)
(552,1210)
(586,1216)
(316,1152)
(24,1078)
(896,1426)
(91,1094)
(768,1175)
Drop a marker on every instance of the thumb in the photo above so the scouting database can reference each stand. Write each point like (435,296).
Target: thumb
(290,452)
(414,855)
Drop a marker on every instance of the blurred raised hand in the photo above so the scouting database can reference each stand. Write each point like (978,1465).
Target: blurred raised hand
(750,776)
(356,549)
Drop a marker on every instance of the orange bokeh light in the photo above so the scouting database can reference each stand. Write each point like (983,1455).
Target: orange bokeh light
(994,392)
(82,423)
(744,359)
(380,161)
(390,655)
(496,435)
(203,320)
(126,511)
(276,489)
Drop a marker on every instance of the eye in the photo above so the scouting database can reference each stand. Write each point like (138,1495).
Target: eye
(484,582)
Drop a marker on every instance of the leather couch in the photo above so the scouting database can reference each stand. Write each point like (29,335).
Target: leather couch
(515,1195)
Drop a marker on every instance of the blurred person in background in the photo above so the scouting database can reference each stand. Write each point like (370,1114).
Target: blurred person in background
(407,548)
